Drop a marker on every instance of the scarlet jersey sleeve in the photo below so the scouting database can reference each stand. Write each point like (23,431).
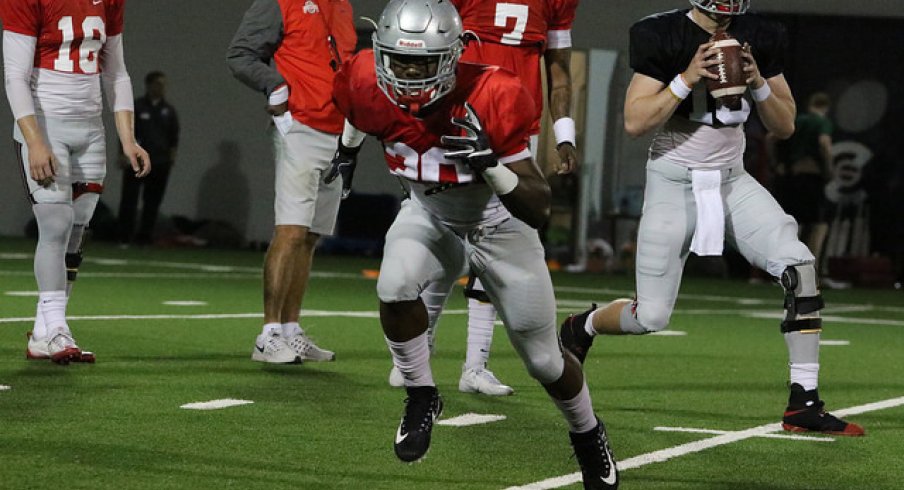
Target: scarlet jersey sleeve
(562,13)
(506,112)
(21,16)
(350,84)
(115,21)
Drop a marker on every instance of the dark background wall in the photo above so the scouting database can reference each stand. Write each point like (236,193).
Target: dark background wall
(225,170)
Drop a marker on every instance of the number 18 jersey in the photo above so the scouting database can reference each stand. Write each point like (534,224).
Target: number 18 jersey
(68,56)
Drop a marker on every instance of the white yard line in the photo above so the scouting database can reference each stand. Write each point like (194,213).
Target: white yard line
(218,316)
(467,419)
(697,446)
(792,437)
(216,404)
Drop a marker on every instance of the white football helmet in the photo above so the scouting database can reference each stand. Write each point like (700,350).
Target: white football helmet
(430,29)
(723,7)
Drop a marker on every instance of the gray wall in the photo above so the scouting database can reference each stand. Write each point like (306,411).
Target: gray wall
(224,170)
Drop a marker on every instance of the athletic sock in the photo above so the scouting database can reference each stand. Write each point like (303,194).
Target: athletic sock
(481,320)
(271,329)
(291,329)
(412,357)
(805,374)
(578,411)
(53,309)
(588,325)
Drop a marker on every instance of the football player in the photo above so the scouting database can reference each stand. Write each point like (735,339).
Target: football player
(458,132)
(697,192)
(57,57)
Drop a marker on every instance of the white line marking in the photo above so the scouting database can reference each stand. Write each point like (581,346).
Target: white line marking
(22,293)
(217,316)
(767,436)
(471,419)
(5,387)
(834,342)
(185,303)
(669,333)
(216,404)
(15,256)
(697,446)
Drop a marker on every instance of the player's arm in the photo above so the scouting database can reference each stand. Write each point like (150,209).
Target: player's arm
(558,79)
(345,160)
(774,102)
(251,50)
(649,102)
(118,89)
(518,183)
(18,63)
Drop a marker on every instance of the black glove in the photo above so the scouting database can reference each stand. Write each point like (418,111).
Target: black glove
(343,163)
(474,148)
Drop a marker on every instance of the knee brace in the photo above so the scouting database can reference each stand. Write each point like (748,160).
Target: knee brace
(84,200)
(474,290)
(802,300)
(73,261)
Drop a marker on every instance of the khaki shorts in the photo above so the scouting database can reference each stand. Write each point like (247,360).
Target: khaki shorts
(302,157)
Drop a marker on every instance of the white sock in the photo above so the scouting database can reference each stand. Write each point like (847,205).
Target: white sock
(291,329)
(413,360)
(588,325)
(578,411)
(271,329)
(53,309)
(805,374)
(40,327)
(481,318)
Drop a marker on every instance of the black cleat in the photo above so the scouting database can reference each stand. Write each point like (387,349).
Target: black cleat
(574,337)
(805,413)
(598,467)
(422,407)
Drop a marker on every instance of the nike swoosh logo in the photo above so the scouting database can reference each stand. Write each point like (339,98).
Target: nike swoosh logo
(97,2)
(399,437)
(612,478)
(259,348)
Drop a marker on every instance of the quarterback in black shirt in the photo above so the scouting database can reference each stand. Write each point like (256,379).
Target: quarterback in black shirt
(698,195)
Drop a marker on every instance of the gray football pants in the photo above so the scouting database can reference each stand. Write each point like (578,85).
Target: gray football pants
(755,225)
(508,259)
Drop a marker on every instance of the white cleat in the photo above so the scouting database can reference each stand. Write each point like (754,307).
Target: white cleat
(306,350)
(396,380)
(273,349)
(59,347)
(482,380)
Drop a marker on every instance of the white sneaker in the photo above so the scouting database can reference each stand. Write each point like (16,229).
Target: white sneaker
(59,347)
(307,350)
(273,349)
(482,380)
(396,380)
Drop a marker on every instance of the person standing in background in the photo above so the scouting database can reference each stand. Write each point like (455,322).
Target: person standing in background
(289,51)
(58,55)
(157,131)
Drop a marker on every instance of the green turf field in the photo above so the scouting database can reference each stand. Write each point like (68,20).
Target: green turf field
(118,423)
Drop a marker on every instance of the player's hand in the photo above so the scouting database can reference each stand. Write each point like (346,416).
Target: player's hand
(568,158)
(138,159)
(698,68)
(473,148)
(754,79)
(42,164)
(279,109)
(344,162)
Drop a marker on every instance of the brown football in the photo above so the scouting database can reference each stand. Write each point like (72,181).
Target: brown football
(731,84)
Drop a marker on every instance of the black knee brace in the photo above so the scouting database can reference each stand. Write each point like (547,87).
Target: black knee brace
(73,261)
(795,305)
(478,294)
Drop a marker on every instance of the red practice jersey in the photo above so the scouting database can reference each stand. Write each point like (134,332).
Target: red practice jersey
(514,34)
(412,145)
(70,33)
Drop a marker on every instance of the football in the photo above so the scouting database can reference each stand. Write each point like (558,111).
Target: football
(731,84)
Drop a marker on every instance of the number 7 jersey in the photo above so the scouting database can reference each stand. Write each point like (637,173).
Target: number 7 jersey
(69,38)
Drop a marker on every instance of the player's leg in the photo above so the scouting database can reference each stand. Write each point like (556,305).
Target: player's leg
(419,250)
(663,239)
(768,238)
(475,375)
(50,337)
(510,262)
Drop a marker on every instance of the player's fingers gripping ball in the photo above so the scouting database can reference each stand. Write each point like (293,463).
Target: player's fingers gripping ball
(474,147)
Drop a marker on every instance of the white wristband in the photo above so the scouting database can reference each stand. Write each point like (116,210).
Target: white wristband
(762,93)
(564,130)
(352,137)
(279,96)
(501,179)
(678,88)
